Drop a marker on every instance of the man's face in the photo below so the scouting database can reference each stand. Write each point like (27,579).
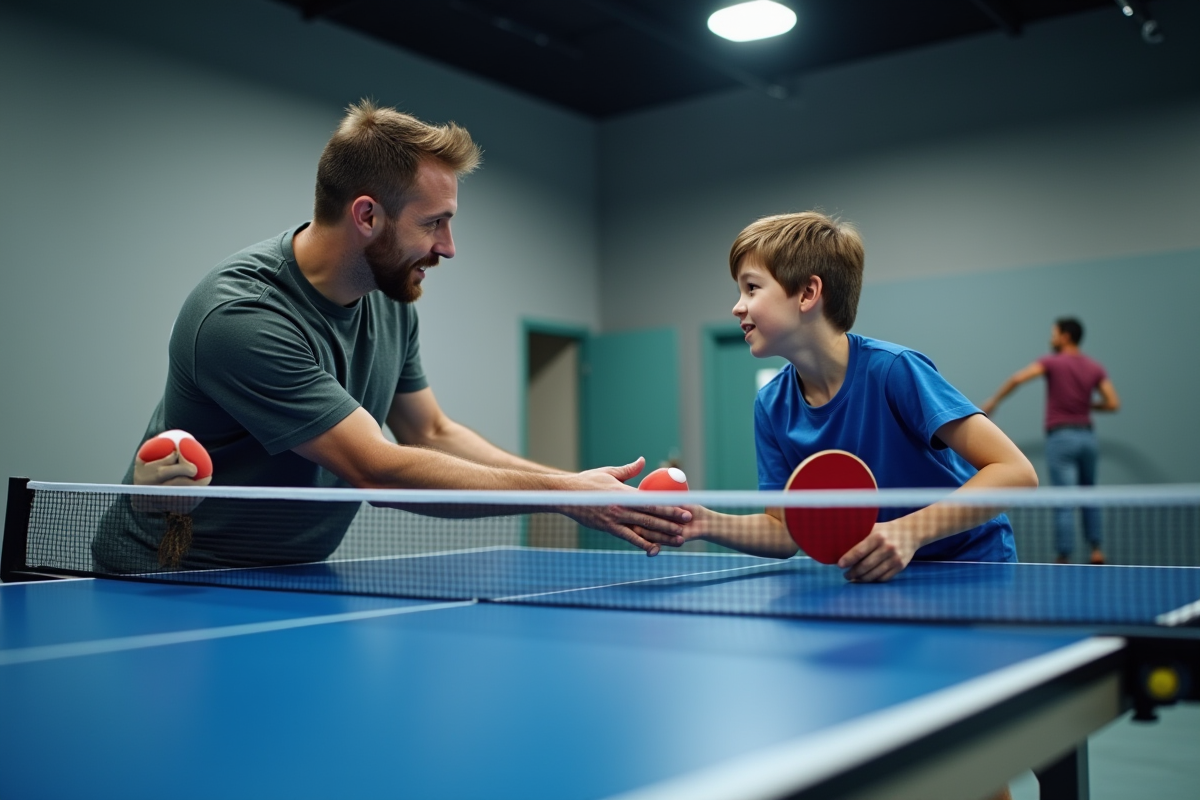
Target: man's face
(1057,339)
(767,315)
(419,236)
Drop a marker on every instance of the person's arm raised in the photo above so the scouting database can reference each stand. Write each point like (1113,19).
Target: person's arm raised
(1034,370)
(356,450)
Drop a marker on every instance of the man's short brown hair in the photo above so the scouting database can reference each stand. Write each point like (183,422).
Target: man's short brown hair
(795,247)
(376,151)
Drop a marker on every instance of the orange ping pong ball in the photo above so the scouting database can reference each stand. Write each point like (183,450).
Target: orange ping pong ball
(665,479)
(189,450)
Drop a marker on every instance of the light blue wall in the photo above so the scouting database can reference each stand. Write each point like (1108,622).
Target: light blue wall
(1074,143)
(141,142)
(1140,320)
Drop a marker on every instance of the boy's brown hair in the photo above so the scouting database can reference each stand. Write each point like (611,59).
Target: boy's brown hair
(795,247)
(376,151)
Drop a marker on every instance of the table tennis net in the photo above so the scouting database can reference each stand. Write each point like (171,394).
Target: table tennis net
(523,547)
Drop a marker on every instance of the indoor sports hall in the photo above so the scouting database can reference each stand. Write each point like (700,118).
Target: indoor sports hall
(424,593)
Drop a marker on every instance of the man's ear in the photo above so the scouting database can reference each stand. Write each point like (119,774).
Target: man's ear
(367,216)
(810,293)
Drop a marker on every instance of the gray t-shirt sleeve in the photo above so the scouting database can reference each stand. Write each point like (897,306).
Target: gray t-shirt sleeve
(262,370)
(412,374)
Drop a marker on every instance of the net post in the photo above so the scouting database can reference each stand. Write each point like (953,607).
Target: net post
(16,529)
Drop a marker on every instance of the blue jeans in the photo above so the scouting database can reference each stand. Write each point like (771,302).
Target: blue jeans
(1071,454)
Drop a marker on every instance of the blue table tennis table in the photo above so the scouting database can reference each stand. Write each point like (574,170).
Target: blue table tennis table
(180,688)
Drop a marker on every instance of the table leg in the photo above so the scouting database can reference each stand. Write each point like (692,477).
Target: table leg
(1067,778)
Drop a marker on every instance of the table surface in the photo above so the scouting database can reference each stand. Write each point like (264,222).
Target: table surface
(129,689)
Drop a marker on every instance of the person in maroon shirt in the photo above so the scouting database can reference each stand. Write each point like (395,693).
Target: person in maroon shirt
(1072,383)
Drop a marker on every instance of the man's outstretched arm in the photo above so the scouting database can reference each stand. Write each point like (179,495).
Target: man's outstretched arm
(1034,370)
(356,450)
(417,419)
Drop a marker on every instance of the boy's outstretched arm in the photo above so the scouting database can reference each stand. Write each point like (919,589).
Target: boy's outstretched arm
(890,546)
(755,534)
(1034,370)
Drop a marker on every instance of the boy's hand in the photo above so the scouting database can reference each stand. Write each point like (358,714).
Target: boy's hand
(645,527)
(885,552)
(701,524)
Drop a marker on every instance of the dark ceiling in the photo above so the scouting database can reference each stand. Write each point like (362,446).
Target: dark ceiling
(607,57)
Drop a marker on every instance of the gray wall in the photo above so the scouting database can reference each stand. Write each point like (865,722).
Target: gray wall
(1140,320)
(981,170)
(141,145)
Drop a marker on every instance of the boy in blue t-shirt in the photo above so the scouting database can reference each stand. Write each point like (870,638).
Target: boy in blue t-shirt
(799,278)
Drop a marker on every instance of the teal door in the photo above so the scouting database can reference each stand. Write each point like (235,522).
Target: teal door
(732,379)
(631,398)
(630,404)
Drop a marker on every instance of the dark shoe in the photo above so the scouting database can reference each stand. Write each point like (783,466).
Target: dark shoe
(1062,560)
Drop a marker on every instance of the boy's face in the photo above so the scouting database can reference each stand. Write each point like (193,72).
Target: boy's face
(768,316)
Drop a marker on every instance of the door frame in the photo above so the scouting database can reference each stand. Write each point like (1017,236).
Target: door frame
(580,334)
(709,334)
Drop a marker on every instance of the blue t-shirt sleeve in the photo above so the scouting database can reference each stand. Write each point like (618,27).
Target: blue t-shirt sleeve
(773,469)
(922,399)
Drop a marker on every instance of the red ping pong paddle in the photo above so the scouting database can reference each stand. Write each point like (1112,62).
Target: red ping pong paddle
(826,534)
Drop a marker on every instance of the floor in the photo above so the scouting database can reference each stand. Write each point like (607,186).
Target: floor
(1139,761)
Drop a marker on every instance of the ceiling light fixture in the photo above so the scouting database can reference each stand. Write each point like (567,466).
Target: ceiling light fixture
(1136,9)
(746,22)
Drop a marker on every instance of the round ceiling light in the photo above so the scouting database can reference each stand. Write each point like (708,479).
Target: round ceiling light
(746,22)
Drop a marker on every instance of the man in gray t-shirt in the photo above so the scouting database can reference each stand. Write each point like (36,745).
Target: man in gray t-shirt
(286,358)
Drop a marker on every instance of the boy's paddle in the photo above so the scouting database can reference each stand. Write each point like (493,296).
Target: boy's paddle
(826,534)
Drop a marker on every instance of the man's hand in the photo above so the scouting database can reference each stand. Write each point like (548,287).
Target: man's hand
(645,527)
(170,470)
(887,550)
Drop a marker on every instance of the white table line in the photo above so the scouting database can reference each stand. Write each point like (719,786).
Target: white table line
(50,652)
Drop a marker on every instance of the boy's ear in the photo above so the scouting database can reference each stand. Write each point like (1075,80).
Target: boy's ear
(810,293)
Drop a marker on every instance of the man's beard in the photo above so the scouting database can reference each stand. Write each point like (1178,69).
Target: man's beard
(392,275)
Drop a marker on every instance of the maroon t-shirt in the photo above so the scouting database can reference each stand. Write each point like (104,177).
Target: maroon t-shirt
(1070,381)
